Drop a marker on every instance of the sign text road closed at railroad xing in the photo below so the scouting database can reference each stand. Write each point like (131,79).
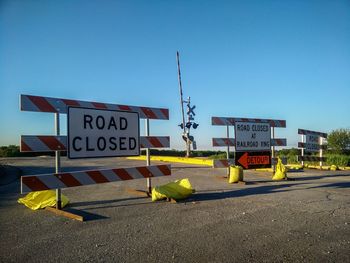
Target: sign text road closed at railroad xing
(102,133)
(252,136)
(312,143)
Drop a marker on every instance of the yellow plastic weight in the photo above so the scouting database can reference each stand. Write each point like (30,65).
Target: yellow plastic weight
(42,199)
(280,173)
(177,190)
(236,174)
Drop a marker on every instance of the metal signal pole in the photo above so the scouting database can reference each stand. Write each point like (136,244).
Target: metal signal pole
(182,106)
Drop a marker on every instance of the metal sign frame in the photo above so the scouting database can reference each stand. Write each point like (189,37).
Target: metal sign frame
(60,106)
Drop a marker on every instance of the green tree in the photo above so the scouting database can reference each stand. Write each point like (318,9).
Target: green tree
(339,140)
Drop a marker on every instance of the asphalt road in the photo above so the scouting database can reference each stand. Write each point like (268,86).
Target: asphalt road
(304,220)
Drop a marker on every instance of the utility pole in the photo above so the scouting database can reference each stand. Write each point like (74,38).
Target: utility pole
(186,126)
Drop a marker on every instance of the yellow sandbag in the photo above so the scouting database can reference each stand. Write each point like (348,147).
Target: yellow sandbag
(177,190)
(280,173)
(236,174)
(333,167)
(42,199)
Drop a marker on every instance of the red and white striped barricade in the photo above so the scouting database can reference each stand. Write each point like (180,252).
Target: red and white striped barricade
(81,178)
(230,121)
(47,143)
(312,142)
(58,143)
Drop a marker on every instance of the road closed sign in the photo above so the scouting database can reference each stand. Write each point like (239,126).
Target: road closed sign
(102,133)
(312,143)
(252,136)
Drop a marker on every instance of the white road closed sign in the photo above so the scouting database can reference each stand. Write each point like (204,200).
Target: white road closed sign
(102,133)
(252,136)
(312,143)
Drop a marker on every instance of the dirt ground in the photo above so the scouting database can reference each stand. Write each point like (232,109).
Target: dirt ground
(303,220)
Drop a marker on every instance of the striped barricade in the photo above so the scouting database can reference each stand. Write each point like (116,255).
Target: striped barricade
(231,121)
(223,163)
(223,142)
(58,105)
(311,158)
(312,142)
(275,160)
(278,142)
(74,179)
(225,121)
(320,146)
(306,132)
(45,143)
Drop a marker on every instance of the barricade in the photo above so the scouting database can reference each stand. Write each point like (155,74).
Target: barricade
(227,141)
(312,141)
(58,143)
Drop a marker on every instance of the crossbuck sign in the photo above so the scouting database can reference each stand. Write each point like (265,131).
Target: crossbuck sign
(102,133)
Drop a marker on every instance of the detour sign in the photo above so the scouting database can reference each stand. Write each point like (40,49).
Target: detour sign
(252,160)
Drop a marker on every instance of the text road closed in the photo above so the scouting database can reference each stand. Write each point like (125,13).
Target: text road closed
(102,133)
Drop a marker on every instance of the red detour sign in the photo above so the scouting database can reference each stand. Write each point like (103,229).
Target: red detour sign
(102,133)
(253,160)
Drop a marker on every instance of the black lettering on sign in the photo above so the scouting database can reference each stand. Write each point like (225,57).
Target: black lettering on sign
(122,143)
(113,143)
(132,143)
(100,122)
(112,124)
(123,123)
(78,149)
(101,143)
(87,120)
(88,148)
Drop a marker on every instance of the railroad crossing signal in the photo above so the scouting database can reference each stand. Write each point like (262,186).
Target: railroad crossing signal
(190,109)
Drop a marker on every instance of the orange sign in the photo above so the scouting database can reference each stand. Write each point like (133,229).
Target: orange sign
(253,160)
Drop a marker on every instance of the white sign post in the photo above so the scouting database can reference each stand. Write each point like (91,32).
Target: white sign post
(102,133)
(252,136)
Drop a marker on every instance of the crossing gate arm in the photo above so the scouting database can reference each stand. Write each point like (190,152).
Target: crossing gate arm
(59,105)
(224,121)
(47,143)
(74,179)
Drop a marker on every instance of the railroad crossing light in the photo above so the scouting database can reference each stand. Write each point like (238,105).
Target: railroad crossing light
(195,125)
(184,137)
(181,125)
(191,138)
(188,125)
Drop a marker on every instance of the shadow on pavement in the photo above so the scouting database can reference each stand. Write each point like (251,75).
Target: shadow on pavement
(102,202)
(333,185)
(315,177)
(268,189)
(87,216)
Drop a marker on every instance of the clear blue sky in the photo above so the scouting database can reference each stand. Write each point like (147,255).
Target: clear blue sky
(260,59)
